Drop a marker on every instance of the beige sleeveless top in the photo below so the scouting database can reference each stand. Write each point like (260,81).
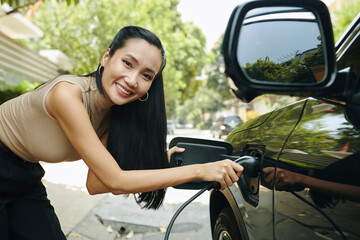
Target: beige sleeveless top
(31,133)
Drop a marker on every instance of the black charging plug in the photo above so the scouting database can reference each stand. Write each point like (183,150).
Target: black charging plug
(251,165)
(251,169)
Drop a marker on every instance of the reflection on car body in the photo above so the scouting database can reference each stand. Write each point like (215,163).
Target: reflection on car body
(322,145)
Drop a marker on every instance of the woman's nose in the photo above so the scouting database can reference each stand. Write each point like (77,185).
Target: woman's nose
(131,80)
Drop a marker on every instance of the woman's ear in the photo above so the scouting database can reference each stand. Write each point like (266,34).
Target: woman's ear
(105,57)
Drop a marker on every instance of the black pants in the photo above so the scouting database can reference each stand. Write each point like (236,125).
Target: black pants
(25,210)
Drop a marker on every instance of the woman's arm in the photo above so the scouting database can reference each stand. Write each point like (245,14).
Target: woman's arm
(95,186)
(64,103)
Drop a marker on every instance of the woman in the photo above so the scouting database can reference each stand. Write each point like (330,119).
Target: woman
(113,119)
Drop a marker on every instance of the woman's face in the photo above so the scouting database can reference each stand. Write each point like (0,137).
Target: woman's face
(129,73)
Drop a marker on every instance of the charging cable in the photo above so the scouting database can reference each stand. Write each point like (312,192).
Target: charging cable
(209,186)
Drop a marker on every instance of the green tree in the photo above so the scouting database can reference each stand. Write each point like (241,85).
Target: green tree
(84,31)
(210,92)
(22,3)
(343,16)
(216,78)
(206,100)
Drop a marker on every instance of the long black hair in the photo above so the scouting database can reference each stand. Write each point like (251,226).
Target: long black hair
(137,132)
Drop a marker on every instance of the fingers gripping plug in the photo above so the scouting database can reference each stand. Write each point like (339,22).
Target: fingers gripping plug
(251,165)
(251,168)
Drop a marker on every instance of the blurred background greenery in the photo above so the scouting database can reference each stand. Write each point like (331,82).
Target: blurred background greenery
(194,84)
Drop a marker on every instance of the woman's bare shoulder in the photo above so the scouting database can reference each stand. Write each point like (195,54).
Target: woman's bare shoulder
(62,89)
(62,96)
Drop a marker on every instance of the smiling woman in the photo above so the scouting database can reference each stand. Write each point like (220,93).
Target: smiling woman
(113,119)
(128,74)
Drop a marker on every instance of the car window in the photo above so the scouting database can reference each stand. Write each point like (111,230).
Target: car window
(231,119)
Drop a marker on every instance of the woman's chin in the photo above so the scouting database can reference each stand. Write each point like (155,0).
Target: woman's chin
(123,100)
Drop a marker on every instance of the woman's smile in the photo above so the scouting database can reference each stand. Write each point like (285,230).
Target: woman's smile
(123,91)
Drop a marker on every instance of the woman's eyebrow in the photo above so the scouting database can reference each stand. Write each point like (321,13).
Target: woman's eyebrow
(135,60)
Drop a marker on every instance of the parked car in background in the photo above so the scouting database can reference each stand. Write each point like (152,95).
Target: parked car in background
(170,127)
(184,124)
(308,185)
(223,125)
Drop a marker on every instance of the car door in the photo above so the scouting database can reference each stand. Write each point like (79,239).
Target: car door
(324,146)
(264,138)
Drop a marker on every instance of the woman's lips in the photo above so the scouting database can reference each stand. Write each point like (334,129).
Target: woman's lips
(123,90)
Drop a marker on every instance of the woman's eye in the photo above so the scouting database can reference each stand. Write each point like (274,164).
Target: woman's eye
(147,76)
(127,63)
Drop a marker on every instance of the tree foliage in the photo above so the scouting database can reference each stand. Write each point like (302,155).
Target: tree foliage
(206,100)
(212,89)
(8,92)
(22,3)
(343,16)
(84,32)
(216,79)
(298,69)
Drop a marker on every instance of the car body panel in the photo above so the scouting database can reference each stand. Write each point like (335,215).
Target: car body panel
(315,135)
(277,125)
(326,146)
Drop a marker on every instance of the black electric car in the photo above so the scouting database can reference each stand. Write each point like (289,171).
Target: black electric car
(308,153)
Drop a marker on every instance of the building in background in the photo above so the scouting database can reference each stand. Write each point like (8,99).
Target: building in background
(260,105)
(17,62)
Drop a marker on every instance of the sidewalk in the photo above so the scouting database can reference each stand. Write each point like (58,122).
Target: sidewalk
(73,207)
(65,184)
(103,217)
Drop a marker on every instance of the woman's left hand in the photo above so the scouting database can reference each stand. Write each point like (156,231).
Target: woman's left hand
(173,150)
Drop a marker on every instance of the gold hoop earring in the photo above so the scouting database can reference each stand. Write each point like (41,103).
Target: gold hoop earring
(99,70)
(143,100)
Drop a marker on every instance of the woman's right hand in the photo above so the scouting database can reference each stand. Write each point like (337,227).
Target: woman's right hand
(225,172)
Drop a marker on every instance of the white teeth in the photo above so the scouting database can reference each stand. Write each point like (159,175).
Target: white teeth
(123,90)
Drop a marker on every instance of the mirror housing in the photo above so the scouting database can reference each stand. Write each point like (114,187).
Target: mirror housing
(245,87)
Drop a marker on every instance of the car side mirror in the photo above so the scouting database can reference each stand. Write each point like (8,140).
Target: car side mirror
(281,47)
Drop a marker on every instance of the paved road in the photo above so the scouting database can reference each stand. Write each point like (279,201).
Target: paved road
(102,217)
